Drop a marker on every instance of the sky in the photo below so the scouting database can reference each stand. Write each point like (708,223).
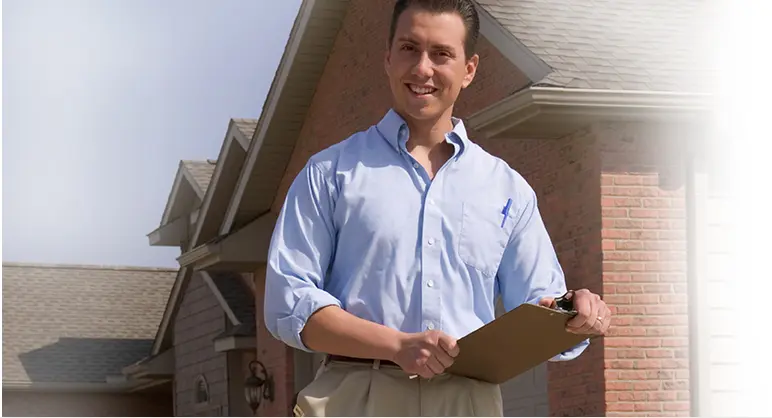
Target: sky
(102,99)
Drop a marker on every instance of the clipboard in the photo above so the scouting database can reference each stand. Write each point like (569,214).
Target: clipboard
(514,343)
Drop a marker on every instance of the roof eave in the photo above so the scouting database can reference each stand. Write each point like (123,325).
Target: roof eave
(552,112)
(308,12)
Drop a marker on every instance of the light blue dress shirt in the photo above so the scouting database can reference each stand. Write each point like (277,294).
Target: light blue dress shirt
(364,228)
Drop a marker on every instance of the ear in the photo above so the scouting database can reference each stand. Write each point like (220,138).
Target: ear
(387,61)
(471,70)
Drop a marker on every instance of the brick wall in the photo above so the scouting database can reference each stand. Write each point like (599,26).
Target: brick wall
(40,404)
(565,175)
(199,320)
(644,272)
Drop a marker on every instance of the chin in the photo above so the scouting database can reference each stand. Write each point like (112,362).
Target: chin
(422,111)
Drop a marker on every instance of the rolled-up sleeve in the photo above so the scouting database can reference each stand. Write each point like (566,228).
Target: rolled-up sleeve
(301,250)
(529,270)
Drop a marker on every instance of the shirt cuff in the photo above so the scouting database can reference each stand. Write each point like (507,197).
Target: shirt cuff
(289,327)
(572,353)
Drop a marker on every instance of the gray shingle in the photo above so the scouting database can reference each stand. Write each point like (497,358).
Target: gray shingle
(611,44)
(246,126)
(78,324)
(201,171)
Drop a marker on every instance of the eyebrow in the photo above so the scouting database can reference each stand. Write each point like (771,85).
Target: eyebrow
(407,38)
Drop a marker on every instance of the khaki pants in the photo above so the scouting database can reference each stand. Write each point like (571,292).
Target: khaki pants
(359,389)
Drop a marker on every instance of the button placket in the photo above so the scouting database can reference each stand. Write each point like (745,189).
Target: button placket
(431,271)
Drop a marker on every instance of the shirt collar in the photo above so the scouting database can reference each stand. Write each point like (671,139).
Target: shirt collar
(394,130)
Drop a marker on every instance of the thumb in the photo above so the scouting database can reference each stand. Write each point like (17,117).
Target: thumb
(547,302)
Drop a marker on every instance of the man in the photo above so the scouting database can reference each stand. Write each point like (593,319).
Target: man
(395,242)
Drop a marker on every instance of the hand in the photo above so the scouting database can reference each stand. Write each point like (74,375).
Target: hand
(427,353)
(593,316)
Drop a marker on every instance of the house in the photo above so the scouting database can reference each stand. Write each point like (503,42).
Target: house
(602,106)
(206,337)
(68,331)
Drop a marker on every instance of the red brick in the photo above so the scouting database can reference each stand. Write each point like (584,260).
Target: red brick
(677,406)
(618,406)
(647,385)
(648,406)
(643,213)
(628,180)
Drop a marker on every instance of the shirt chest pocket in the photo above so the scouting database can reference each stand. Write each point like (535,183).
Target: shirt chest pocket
(484,235)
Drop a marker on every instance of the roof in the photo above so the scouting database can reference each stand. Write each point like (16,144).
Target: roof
(78,324)
(246,126)
(610,44)
(201,172)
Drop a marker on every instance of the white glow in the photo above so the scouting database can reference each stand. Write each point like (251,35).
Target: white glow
(742,124)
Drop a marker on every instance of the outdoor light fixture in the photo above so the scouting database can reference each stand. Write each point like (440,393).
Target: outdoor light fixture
(258,387)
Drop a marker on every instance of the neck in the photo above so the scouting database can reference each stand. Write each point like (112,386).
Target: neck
(429,132)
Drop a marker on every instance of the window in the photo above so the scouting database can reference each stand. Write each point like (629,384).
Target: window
(200,390)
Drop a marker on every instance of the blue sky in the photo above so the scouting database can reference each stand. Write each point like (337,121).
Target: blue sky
(101,99)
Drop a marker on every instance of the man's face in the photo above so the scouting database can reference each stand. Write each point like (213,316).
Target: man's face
(426,63)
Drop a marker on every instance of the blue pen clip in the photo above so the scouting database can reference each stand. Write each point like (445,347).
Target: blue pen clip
(505,211)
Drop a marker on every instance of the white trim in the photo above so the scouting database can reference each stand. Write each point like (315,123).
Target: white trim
(220,298)
(174,296)
(173,233)
(266,116)
(240,137)
(235,343)
(93,387)
(510,47)
(586,104)
(182,173)
(697,254)
(189,176)
(221,163)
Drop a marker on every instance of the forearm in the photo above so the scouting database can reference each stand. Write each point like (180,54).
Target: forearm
(332,330)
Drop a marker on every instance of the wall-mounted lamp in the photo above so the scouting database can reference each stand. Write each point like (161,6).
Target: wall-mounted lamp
(258,386)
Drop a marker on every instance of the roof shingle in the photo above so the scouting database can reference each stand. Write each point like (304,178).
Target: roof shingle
(246,126)
(78,324)
(611,44)
(201,171)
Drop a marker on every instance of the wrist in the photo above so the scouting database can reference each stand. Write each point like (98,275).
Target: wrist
(397,342)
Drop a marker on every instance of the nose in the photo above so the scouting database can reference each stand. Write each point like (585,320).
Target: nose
(424,66)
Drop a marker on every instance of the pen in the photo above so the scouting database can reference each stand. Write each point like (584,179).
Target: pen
(505,211)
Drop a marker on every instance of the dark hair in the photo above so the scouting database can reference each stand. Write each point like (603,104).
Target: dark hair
(465,8)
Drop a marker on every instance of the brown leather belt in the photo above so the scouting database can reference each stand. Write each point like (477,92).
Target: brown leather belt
(344,359)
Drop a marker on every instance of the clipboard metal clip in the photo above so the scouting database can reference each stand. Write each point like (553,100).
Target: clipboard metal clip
(564,304)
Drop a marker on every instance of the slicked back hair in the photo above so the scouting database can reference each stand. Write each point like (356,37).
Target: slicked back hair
(464,8)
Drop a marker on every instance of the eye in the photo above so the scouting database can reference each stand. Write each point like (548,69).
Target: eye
(407,47)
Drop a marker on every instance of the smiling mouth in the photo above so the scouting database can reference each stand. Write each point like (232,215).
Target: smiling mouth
(421,90)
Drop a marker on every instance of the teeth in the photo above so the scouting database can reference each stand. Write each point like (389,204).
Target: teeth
(421,90)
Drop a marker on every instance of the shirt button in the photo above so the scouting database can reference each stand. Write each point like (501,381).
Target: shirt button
(415,165)
(430,283)
(430,326)
(430,241)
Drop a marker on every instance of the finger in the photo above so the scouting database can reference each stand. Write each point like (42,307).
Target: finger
(449,344)
(583,308)
(592,320)
(443,357)
(546,302)
(434,365)
(606,319)
(425,372)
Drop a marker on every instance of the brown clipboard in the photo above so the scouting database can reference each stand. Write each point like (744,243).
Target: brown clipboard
(514,343)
